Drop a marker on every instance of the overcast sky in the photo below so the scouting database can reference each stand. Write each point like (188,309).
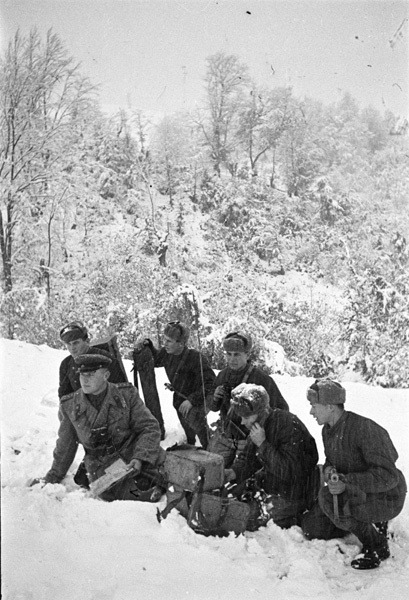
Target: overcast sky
(151,54)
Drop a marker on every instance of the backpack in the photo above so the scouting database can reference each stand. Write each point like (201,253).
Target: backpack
(207,511)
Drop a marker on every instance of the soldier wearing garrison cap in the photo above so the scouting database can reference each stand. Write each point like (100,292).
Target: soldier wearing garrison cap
(190,376)
(229,436)
(363,488)
(110,421)
(279,452)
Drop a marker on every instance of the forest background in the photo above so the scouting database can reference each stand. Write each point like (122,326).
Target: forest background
(258,209)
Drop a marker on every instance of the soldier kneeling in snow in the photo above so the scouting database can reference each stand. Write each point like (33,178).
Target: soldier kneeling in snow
(279,460)
(364,488)
(111,422)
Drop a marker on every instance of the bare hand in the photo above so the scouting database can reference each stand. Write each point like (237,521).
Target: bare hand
(38,480)
(327,472)
(185,407)
(257,434)
(336,487)
(219,393)
(229,475)
(134,465)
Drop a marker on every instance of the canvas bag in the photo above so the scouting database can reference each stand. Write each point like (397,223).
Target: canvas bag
(208,512)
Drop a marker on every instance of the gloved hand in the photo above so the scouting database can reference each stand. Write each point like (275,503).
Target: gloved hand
(144,343)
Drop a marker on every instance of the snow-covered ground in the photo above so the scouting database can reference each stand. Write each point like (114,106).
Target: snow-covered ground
(58,544)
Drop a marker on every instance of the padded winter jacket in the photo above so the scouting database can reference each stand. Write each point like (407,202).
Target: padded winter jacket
(287,458)
(363,452)
(234,378)
(131,431)
(188,372)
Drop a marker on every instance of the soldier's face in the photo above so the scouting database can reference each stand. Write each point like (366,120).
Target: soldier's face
(77,347)
(172,346)
(94,382)
(249,421)
(322,413)
(236,360)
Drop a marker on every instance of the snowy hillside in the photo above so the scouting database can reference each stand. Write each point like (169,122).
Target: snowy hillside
(60,545)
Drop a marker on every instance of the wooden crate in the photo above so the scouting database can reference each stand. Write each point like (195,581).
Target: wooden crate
(183,468)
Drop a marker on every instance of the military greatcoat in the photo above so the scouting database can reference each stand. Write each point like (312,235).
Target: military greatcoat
(122,428)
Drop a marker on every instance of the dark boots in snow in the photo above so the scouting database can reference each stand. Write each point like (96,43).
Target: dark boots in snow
(371,558)
(375,546)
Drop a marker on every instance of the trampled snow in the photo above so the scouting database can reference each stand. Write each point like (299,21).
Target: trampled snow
(59,544)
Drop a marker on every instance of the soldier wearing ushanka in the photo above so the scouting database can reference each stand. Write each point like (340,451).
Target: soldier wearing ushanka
(279,452)
(229,436)
(190,376)
(364,489)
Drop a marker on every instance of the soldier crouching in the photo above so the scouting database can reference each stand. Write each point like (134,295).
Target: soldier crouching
(111,422)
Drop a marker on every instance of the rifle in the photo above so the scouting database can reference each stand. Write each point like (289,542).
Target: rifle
(170,387)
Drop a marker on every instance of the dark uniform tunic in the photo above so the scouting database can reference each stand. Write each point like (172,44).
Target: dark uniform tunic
(363,454)
(363,451)
(191,376)
(230,435)
(286,463)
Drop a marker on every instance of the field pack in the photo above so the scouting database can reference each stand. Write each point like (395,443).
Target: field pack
(196,489)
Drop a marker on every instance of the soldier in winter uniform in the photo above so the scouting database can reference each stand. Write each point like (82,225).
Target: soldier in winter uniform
(191,379)
(364,488)
(229,436)
(76,340)
(279,452)
(111,422)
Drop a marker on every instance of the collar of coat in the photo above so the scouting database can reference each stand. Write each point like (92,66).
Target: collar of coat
(81,404)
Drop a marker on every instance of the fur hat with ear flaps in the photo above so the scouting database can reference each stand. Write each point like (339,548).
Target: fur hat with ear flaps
(249,399)
(177,331)
(326,391)
(237,341)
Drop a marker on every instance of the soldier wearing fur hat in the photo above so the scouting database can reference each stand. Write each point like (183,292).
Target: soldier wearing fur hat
(229,436)
(191,379)
(75,337)
(364,489)
(280,456)
(110,421)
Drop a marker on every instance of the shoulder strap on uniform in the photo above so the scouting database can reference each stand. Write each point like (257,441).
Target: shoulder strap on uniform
(247,373)
(67,397)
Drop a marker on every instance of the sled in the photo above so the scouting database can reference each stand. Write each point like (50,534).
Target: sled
(144,364)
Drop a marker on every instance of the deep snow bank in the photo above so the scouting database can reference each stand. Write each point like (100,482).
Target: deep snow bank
(60,545)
